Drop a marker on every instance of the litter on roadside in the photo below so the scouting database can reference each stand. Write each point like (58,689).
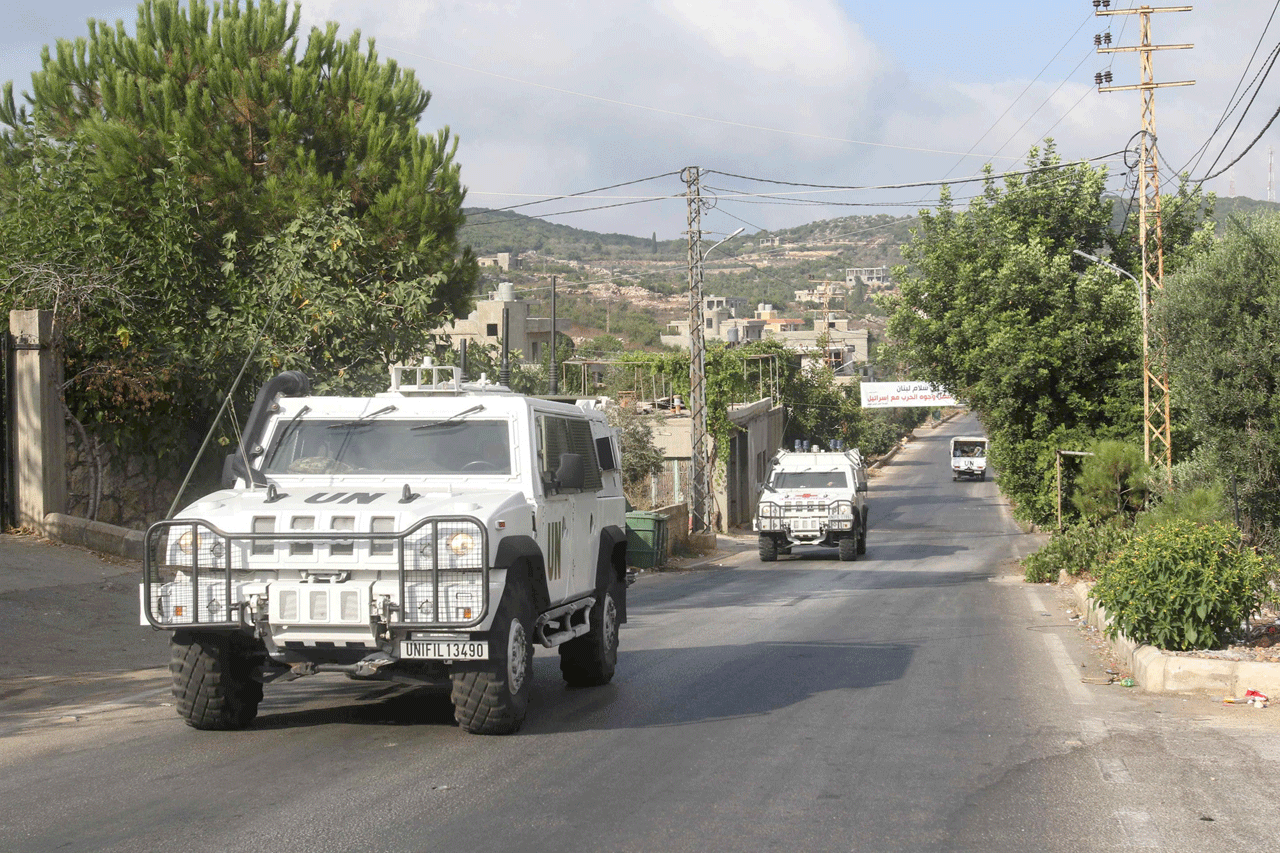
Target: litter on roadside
(1251,697)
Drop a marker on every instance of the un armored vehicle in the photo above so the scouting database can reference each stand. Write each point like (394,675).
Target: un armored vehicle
(813,498)
(431,534)
(969,457)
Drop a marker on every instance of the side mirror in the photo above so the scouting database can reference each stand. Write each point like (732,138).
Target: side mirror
(572,473)
(862,486)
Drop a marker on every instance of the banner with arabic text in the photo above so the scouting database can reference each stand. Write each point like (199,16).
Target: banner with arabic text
(889,395)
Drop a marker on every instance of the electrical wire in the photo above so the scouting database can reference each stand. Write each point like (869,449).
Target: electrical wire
(584,193)
(1014,102)
(1269,66)
(580,209)
(986,177)
(1230,108)
(1246,150)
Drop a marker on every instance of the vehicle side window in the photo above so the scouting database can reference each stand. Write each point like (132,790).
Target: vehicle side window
(557,435)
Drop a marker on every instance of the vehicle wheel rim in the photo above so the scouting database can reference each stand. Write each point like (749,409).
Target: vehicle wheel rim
(610,624)
(517,656)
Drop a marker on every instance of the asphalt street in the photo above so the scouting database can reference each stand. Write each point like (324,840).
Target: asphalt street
(921,698)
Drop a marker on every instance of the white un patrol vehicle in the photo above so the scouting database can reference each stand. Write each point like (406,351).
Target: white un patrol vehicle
(813,498)
(429,535)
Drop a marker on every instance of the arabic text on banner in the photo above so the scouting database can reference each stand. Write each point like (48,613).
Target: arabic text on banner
(889,395)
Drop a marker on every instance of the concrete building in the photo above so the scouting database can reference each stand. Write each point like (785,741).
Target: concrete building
(834,341)
(758,430)
(530,336)
(502,260)
(869,275)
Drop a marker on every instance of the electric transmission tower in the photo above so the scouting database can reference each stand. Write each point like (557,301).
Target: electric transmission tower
(1155,385)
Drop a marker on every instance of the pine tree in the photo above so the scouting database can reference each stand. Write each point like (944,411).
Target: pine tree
(212,171)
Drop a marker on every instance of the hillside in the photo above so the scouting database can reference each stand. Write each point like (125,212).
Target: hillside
(632,287)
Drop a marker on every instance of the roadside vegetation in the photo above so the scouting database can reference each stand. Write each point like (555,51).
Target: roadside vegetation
(1045,345)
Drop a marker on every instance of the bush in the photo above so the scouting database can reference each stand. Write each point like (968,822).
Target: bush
(1199,506)
(1075,550)
(1180,586)
(1112,482)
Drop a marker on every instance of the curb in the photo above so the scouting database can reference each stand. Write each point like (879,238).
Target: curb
(1159,672)
(94,535)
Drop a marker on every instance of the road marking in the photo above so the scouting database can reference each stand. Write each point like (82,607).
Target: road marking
(1062,662)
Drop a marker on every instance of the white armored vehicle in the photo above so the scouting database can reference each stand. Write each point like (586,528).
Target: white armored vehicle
(431,534)
(969,457)
(813,498)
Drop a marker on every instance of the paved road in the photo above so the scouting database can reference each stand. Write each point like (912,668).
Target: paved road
(920,699)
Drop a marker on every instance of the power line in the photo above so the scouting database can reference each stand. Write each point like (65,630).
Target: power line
(1269,66)
(1012,103)
(581,209)
(1246,150)
(1230,108)
(945,182)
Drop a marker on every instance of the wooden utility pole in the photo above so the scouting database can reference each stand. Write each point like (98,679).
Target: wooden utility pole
(1155,377)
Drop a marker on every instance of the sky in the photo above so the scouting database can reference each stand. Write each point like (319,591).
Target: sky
(593,97)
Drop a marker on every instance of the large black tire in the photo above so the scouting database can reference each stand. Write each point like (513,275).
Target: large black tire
(862,535)
(495,699)
(590,660)
(213,680)
(768,547)
(849,548)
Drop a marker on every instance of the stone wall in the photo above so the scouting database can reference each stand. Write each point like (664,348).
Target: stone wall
(134,492)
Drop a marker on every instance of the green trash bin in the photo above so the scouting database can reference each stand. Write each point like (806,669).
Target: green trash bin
(646,539)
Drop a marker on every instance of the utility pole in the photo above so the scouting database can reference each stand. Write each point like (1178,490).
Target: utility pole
(1150,235)
(700,492)
(554,378)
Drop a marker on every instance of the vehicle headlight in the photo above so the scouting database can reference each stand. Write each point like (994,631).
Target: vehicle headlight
(461,543)
(768,510)
(188,543)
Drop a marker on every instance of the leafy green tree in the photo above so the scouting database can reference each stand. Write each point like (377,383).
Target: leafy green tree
(216,185)
(641,458)
(820,411)
(997,309)
(1220,316)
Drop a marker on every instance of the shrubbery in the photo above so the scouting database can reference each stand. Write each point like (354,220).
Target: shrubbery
(1182,586)
(1076,549)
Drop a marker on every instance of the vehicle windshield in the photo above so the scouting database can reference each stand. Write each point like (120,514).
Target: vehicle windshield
(392,447)
(810,480)
(969,450)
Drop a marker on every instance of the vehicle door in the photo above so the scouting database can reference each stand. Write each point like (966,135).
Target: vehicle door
(569,516)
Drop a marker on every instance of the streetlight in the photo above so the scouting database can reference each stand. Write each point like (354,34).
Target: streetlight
(1142,291)
(725,240)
